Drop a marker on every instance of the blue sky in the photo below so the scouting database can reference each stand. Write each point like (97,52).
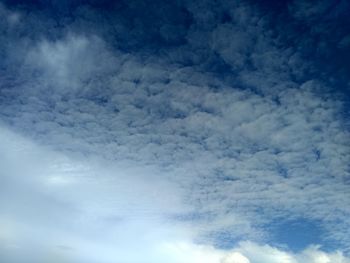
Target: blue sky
(174,131)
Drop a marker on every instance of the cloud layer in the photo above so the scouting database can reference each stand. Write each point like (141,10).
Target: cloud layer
(203,120)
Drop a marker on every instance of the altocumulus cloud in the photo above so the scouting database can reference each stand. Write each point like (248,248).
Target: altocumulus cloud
(173,132)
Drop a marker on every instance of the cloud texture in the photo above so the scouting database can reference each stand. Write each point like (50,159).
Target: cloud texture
(194,132)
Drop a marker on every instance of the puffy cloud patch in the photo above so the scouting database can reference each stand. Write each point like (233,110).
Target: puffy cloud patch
(69,62)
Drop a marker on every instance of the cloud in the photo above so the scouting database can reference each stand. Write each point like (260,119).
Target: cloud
(70,63)
(217,133)
(50,201)
(248,252)
(259,253)
(93,215)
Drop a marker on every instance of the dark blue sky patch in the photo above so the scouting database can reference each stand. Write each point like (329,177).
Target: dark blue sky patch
(320,31)
(298,234)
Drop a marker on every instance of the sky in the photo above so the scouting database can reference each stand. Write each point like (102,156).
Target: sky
(174,131)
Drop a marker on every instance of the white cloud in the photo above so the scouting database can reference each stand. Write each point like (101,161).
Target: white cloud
(138,137)
(249,252)
(226,148)
(235,257)
(71,62)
